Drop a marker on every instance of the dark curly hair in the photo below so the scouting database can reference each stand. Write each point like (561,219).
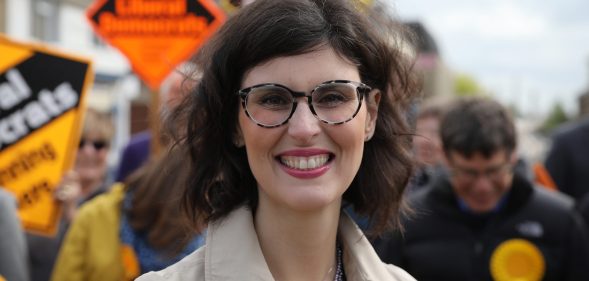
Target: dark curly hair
(221,179)
(477,125)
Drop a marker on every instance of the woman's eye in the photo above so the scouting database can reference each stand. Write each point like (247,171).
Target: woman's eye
(331,99)
(273,100)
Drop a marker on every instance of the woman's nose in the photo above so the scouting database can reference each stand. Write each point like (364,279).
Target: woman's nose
(303,125)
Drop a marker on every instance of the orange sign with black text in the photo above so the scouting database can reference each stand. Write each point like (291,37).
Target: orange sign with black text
(41,105)
(155,35)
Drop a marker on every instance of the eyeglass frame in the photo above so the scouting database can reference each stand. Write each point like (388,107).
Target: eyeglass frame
(491,174)
(361,90)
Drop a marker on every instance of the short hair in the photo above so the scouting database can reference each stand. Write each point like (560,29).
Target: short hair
(221,177)
(99,123)
(477,125)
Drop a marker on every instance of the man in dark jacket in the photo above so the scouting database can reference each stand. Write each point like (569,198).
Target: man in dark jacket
(483,221)
(568,159)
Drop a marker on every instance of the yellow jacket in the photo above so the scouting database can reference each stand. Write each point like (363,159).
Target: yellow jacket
(232,253)
(91,250)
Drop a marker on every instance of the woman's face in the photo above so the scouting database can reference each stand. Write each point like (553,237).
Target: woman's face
(91,158)
(332,153)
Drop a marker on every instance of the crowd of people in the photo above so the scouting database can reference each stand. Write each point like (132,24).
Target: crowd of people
(293,157)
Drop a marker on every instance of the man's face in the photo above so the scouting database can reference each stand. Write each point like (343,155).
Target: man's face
(479,181)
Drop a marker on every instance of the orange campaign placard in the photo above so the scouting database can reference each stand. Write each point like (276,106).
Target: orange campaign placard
(41,106)
(155,35)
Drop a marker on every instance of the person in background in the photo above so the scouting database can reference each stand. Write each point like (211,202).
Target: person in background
(583,207)
(483,221)
(568,159)
(13,247)
(87,179)
(134,228)
(137,151)
(301,108)
(427,144)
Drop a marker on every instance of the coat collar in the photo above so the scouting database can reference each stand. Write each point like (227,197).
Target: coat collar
(360,260)
(233,250)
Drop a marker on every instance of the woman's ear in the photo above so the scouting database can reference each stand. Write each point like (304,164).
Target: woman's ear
(372,102)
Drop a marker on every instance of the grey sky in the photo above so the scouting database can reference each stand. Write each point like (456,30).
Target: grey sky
(529,53)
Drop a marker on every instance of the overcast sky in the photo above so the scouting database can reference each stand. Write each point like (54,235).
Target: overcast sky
(529,53)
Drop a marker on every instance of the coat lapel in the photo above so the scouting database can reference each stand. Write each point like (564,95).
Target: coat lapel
(233,251)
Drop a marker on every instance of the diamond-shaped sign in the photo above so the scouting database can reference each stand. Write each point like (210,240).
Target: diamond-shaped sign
(42,96)
(155,35)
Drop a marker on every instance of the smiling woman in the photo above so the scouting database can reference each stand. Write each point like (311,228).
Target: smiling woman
(302,106)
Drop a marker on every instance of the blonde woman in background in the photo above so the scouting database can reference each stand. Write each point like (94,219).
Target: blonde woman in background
(86,180)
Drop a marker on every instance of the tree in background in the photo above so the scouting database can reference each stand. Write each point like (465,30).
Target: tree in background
(556,117)
(465,86)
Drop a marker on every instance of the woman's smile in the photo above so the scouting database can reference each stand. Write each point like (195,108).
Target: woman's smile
(305,163)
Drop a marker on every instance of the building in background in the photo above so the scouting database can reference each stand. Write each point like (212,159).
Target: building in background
(438,79)
(62,24)
(2,17)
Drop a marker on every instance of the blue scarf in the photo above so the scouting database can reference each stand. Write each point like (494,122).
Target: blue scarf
(149,258)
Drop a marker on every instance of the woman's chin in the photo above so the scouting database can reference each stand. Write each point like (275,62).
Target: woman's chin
(311,202)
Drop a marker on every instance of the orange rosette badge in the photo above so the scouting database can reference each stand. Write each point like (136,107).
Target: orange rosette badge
(517,260)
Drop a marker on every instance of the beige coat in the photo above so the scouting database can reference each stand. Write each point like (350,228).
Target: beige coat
(232,253)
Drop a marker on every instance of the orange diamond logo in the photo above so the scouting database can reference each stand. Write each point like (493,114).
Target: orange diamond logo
(155,35)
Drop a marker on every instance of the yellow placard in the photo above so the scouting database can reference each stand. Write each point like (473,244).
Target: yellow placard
(41,107)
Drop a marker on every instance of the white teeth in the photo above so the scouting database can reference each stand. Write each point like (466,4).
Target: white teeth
(304,163)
